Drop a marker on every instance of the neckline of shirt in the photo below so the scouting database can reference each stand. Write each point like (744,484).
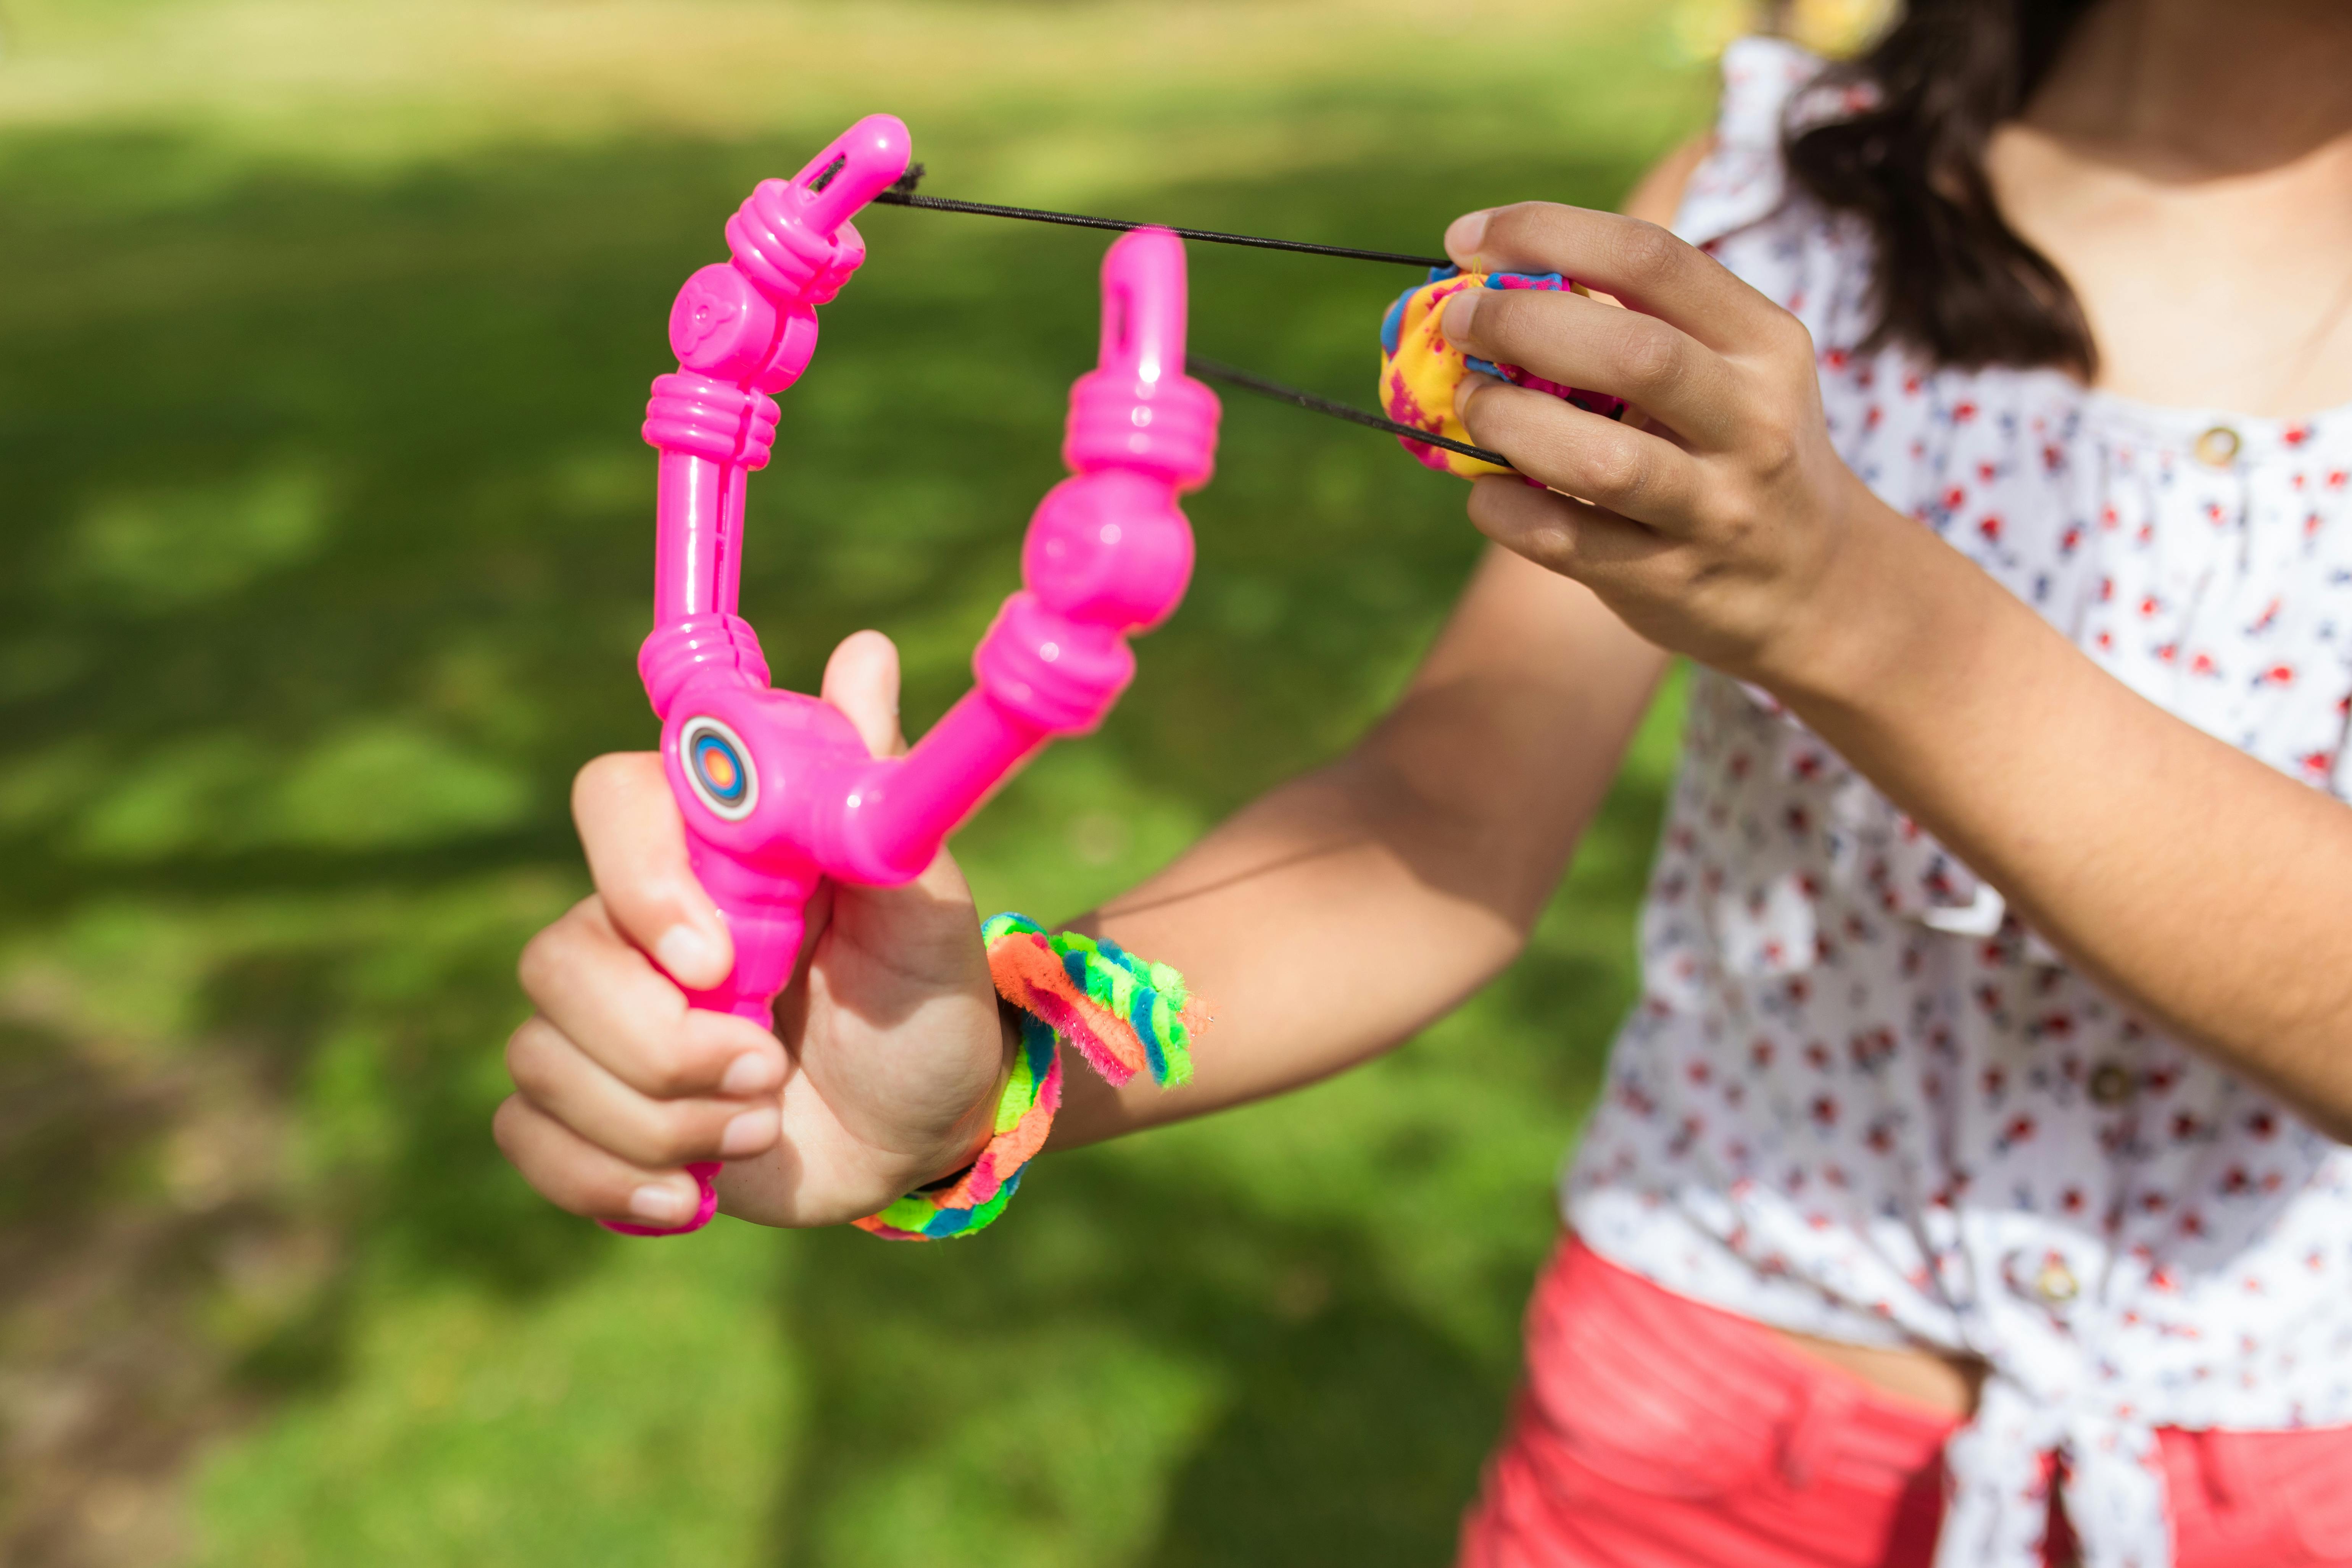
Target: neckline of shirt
(2170,419)
(2180,428)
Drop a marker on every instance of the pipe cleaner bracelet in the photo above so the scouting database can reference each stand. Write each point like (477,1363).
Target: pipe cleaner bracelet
(1124,1015)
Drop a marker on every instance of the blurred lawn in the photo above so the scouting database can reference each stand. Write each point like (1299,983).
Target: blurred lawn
(324,335)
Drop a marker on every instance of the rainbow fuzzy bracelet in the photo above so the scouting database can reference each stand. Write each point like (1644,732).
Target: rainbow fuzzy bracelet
(1124,1015)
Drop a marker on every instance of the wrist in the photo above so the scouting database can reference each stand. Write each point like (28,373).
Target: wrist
(973,1130)
(1870,606)
(1121,1014)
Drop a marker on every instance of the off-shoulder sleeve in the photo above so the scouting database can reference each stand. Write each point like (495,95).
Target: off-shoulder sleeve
(1742,180)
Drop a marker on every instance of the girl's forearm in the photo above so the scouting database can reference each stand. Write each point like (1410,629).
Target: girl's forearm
(1343,913)
(2200,887)
(1315,934)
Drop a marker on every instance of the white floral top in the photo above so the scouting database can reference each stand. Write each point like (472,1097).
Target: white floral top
(1857,1099)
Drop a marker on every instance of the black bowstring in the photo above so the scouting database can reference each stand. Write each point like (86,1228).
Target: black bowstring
(1212,370)
(902,194)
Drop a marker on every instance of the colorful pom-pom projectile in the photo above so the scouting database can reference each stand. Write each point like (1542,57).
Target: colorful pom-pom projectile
(1419,370)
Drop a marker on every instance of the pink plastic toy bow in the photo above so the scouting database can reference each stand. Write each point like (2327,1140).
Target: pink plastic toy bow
(777,789)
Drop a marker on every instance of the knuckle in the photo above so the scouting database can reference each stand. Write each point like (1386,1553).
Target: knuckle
(1521,226)
(1734,518)
(1796,339)
(1616,471)
(674,1139)
(1702,579)
(1653,355)
(549,1175)
(1736,529)
(1722,510)
(507,1129)
(667,1074)
(569,1190)
(1646,253)
(1771,446)
(543,962)
(1553,544)
(526,1055)
(1505,510)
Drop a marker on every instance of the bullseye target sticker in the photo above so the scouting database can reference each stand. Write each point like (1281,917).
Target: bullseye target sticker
(718,767)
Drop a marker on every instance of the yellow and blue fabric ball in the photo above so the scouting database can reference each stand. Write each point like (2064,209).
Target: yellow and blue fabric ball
(1420,369)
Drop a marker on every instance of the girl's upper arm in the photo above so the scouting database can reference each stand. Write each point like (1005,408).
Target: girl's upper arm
(1657,196)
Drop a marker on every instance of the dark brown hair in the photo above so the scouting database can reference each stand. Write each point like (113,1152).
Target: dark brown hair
(1953,280)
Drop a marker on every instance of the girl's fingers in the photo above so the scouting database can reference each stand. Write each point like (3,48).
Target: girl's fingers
(1573,538)
(1578,342)
(1644,477)
(561,1079)
(603,994)
(861,678)
(574,1173)
(1640,263)
(635,841)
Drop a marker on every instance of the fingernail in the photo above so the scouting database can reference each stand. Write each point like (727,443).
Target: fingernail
(749,1074)
(656,1203)
(1460,311)
(688,955)
(1462,237)
(747,1134)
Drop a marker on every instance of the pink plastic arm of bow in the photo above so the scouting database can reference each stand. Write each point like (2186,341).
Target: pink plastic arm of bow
(776,787)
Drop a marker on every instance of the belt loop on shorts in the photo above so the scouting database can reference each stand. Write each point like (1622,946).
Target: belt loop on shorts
(1827,1407)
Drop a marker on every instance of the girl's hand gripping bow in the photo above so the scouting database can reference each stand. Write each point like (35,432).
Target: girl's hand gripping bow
(777,789)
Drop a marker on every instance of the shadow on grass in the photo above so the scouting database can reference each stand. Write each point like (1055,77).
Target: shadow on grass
(1345,1428)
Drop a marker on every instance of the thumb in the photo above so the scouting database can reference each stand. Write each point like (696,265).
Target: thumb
(629,824)
(861,678)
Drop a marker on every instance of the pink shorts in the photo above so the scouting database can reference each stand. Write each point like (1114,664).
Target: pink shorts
(1653,1432)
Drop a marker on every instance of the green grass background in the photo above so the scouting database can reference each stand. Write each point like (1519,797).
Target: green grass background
(324,336)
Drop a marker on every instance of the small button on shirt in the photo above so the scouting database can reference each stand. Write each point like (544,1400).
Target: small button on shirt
(1856,1097)
(2217,448)
(2056,1283)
